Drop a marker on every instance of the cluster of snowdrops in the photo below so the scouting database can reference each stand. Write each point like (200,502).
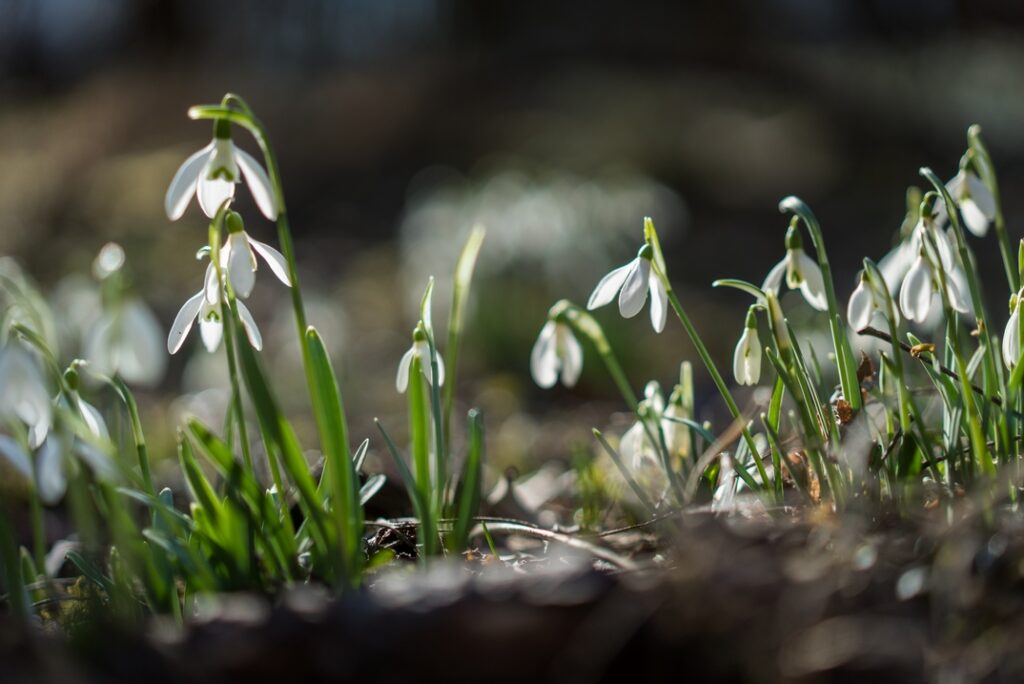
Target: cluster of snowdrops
(831,429)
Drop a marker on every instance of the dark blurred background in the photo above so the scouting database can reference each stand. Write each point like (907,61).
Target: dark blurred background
(401,123)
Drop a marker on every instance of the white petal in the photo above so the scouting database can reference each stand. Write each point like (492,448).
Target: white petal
(659,303)
(402,379)
(440,370)
(543,357)
(982,196)
(16,456)
(746,361)
(100,462)
(861,306)
(50,479)
(896,263)
(773,281)
(609,286)
(258,181)
(211,284)
(571,356)
(916,293)
(141,360)
(92,418)
(1011,339)
(183,185)
(183,322)
(634,288)
(241,264)
(249,323)
(813,285)
(955,294)
(974,217)
(423,349)
(955,185)
(212,193)
(211,327)
(633,443)
(275,260)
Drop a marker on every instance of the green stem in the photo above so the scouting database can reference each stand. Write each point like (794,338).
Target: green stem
(723,389)
(1005,249)
(841,343)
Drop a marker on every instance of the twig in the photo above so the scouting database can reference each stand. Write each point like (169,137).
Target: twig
(873,332)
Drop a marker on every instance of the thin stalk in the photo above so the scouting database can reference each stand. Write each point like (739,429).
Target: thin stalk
(709,363)
(989,170)
(844,354)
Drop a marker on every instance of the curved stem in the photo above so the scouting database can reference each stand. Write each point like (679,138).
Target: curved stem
(841,343)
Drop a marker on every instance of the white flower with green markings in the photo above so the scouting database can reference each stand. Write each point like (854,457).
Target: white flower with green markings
(746,360)
(1011,335)
(238,257)
(800,271)
(205,307)
(631,283)
(211,174)
(556,355)
(922,282)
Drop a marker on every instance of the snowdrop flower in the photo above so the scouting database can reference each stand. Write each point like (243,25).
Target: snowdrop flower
(238,257)
(637,444)
(801,272)
(977,205)
(421,349)
(746,360)
(205,306)
(556,355)
(212,172)
(125,340)
(1011,336)
(865,304)
(631,283)
(24,394)
(920,285)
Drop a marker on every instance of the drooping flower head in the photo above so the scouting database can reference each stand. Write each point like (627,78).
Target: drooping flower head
(1011,335)
(556,354)
(420,349)
(24,394)
(631,283)
(865,304)
(212,173)
(800,271)
(746,360)
(934,263)
(973,197)
(205,307)
(238,257)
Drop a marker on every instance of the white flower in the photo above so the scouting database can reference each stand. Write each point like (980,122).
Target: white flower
(746,360)
(212,172)
(23,392)
(46,469)
(238,258)
(632,283)
(205,306)
(125,340)
(556,354)
(637,444)
(420,348)
(864,305)
(1011,336)
(801,272)
(920,284)
(975,200)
